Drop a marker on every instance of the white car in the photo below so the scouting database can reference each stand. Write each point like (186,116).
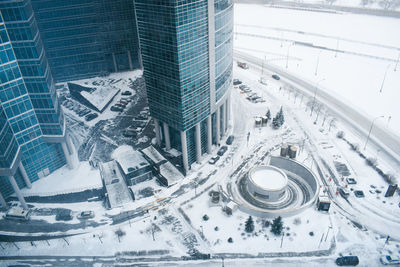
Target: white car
(388,260)
(213,160)
(263,81)
(86,214)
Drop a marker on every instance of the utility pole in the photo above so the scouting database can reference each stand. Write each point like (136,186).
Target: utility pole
(315,95)
(370,130)
(384,77)
(316,68)
(397,62)
(337,47)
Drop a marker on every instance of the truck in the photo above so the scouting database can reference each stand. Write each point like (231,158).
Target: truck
(242,65)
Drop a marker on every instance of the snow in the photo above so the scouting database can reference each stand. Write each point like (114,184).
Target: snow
(101,96)
(127,157)
(371,45)
(65,180)
(268,178)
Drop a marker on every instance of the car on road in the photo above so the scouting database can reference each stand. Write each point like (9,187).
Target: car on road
(213,160)
(230,139)
(351,180)
(347,261)
(388,260)
(237,82)
(242,65)
(359,193)
(276,77)
(222,150)
(344,192)
(91,116)
(88,214)
(126,93)
(18,214)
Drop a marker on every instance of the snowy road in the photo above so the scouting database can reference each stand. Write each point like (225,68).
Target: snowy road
(388,141)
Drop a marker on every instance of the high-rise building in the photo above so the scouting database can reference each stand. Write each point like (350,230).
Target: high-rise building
(186,48)
(87,38)
(33,140)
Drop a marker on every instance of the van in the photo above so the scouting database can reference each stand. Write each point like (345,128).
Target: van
(18,213)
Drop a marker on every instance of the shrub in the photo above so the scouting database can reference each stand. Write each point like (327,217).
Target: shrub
(205,217)
(340,134)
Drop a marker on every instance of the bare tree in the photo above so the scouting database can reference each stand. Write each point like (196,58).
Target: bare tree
(119,233)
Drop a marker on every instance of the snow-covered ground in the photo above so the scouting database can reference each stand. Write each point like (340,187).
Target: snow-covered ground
(357,78)
(65,180)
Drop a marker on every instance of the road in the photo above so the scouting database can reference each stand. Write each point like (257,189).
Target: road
(385,140)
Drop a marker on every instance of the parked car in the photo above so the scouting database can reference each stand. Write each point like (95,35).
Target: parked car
(116,108)
(119,105)
(351,181)
(213,160)
(91,116)
(347,261)
(388,260)
(344,192)
(129,133)
(230,139)
(127,99)
(64,215)
(263,80)
(84,112)
(222,150)
(86,215)
(246,90)
(276,77)
(243,86)
(359,193)
(242,65)
(126,93)
(123,102)
(237,82)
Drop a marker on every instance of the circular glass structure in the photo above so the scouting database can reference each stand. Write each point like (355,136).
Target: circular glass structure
(267,183)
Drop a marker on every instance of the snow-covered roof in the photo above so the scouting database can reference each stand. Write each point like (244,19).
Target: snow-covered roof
(153,154)
(117,190)
(101,96)
(129,159)
(167,169)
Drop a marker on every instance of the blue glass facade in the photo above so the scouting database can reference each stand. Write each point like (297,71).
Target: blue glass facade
(185,77)
(86,38)
(29,108)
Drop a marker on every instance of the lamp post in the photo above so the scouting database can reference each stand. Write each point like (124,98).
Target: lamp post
(316,68)
(384,77)
(397,62)
(370,130)
(287,55)
(315,95)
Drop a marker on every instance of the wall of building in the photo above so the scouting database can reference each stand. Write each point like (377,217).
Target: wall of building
(86,38)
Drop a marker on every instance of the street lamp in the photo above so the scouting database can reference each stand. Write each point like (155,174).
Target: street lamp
(370,129)
(287,55)
(384,77)
(315,95)
(316,68)
(397,62)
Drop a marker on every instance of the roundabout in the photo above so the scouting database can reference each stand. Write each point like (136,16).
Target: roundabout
(284,187)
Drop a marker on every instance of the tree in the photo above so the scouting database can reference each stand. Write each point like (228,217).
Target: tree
(277,226)
(278,120)
(249,226)
(119,233)
(268,115)
(281,117)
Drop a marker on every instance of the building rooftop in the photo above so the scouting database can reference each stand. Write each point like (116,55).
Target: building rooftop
(129,159)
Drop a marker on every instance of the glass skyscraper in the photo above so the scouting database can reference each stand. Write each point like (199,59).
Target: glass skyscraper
(186,48)
(87,38)
(33,140)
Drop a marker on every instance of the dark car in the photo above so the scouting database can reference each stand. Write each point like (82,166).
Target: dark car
(276,77)
(126,93)
(359,193)
(64,215)
(230,139)
(129,133)
(84,112)
(222,150)
(347,261)
(237,82)
(116,108)
(91,116)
